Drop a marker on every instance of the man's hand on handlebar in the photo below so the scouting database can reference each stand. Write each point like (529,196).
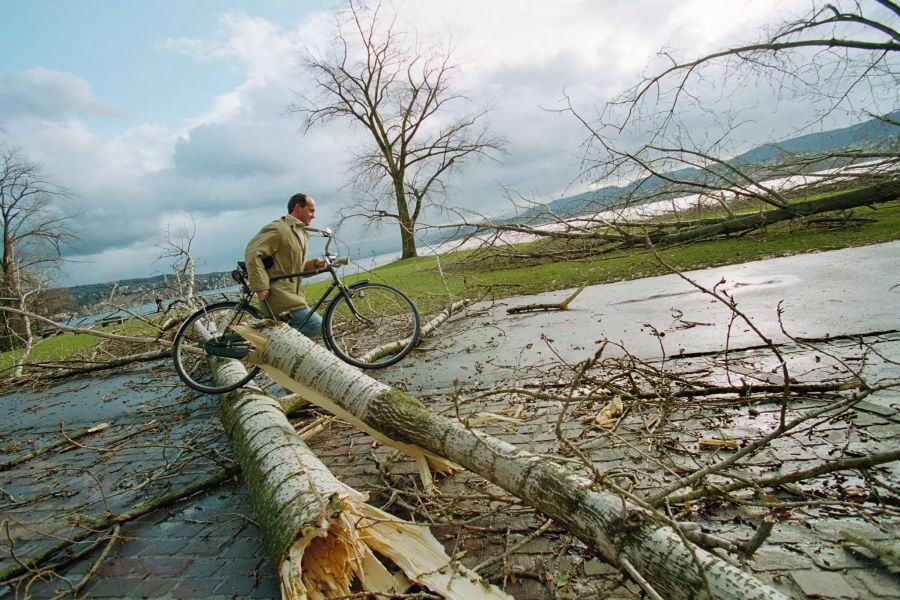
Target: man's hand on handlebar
(263,294)
(320,264)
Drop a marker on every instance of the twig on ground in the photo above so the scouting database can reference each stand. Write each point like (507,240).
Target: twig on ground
(564,305)
(67,439)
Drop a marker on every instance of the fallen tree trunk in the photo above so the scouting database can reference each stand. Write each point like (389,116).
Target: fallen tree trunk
(873,194)
(321,533)
(621,532)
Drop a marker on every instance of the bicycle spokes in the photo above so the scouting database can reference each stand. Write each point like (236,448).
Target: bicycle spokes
(372,325)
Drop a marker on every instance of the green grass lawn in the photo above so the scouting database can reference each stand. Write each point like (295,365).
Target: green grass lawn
(469,273)
(432,282)
(66,345)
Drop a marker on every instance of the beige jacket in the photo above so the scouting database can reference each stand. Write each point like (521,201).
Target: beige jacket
(286,241)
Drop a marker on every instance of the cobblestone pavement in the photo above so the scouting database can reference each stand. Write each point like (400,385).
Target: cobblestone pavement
(161,438)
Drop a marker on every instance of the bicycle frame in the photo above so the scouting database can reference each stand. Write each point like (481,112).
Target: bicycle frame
(336,283)
(211,329)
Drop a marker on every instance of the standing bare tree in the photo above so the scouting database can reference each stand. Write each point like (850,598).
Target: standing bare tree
(33,229)
(177,250)
(402,96)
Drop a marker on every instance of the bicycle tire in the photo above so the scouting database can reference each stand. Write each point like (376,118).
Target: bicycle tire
(189,350)
(389,317)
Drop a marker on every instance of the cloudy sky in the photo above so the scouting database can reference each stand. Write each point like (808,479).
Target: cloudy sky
(159,113)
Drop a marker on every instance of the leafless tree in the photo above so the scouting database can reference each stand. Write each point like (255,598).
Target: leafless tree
(34,228)
(401,94)
(177,250)
(677,142)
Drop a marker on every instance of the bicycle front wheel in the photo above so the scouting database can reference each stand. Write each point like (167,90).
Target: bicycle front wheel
(208,333)
(371,326)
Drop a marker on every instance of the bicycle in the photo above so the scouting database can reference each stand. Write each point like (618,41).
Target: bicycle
(366,324)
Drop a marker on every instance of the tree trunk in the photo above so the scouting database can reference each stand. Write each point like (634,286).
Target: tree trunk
(609,524)
(27,336)
(320,532)
(407,222)
(873,194)
(407,240)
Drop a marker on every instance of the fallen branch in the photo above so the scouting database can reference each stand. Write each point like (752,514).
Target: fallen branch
(111,364)
(510,551)
(747,549)
(427,329)
(639,579)
(113,538)
(137,511)
(886,553)
(564,305)
(611,525)
(847,464)
(67,439)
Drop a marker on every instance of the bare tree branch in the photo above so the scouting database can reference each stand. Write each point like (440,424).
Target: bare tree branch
(401,95)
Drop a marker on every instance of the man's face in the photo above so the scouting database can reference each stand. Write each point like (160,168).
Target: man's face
(305,213)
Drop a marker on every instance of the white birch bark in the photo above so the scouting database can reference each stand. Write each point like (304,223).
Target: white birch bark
(612,526)
(321,533)
(427,329)
(28,335)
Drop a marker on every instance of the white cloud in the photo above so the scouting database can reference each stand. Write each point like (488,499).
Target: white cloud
(234,164)
(48,94)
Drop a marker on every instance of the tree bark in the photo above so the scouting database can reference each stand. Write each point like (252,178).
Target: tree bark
(427,329)
(873,194)
(320,532)
(608,523)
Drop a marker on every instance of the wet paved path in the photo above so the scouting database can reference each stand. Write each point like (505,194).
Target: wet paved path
(162,438)
(855,290)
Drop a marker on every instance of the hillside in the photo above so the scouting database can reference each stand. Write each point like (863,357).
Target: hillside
(875,132)
(138,290)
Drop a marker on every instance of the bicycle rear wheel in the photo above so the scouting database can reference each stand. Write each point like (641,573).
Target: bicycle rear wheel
(373,328)
(208,332)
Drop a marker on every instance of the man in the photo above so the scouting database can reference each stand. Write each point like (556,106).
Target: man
(285,241)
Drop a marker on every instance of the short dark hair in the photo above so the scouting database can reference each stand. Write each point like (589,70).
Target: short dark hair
(296,199)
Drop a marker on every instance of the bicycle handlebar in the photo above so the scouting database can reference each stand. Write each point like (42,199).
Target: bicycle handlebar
(325,232)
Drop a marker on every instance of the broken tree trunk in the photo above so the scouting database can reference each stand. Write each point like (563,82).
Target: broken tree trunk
(321,533)
(619,531)
(873,194)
